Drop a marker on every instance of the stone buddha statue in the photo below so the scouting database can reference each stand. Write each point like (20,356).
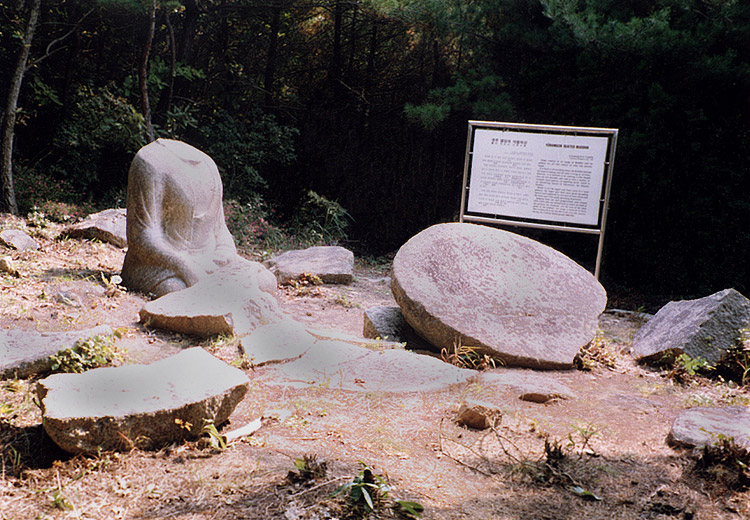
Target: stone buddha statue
(176,230)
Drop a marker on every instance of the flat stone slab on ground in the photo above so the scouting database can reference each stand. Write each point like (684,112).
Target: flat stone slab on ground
(508,296)
(225,302)
(332,264)
(17,239)
(704,426)
(144,406)
(108,226)
(703,328)
(341,364)
(528,385)
(27,352)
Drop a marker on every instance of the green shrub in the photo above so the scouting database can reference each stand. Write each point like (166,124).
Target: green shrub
(320,221)
(248,222)
(86,354)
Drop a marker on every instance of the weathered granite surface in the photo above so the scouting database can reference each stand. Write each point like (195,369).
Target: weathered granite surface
(108,226)
(144,406)
(176,230)
(341,362)
(17,239)
(231,300)
(27,352)
(704,426)
(506,295)
(332,264)
(703,328)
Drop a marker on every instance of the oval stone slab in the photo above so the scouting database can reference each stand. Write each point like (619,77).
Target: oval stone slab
(506,295)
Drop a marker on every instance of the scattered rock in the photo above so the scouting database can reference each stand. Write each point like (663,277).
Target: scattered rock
(17,239)
(506,295)
(388,323)
(107,226)
(144,406)
(6,266)
(478,415)
(530,386)
(703,328)
(27,352)
(332,264)
(176,231)
(229,301)
(704,426)
(74,293)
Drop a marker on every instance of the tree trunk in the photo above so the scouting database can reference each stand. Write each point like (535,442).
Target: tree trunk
(273,43)
(143,72)
(8,201)
(165,101)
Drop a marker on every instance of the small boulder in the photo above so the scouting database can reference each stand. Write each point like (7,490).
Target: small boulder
(332,264)
(705,426)
(704,328)
(503,294)
(7,266)
(107,226)
(27,352)
(143,406)
(478,415)
(19,240)
(229,301)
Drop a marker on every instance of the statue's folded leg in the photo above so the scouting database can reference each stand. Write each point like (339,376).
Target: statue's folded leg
(169,285)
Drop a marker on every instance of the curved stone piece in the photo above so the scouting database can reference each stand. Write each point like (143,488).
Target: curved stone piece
(706,425)
(332,264)
(176,230)
(506,295)
(109,226)
(233,300)
(144,406)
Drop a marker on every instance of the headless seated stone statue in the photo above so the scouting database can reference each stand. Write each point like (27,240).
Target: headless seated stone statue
(176,230)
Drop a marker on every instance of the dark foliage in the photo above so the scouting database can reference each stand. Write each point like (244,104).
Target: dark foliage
(366,104)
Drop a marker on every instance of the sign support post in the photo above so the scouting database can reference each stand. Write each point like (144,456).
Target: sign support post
(539,176)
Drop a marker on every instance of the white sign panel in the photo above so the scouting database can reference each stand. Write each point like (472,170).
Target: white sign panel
(542,176)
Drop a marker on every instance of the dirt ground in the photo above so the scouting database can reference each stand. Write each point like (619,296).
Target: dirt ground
(600,455)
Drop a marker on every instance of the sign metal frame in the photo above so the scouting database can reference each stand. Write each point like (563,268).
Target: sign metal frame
(543,223)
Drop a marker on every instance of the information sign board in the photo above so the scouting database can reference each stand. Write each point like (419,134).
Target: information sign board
(551,177)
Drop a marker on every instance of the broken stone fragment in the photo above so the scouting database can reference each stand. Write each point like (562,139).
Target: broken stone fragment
(140,406)
(17,239)
(229,301)
(107,226)
(478,415)
(704,328)
(707,425)
(27,352)
(332,264)
(6,266)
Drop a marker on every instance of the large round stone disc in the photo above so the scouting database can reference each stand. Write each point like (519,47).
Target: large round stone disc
(506,295)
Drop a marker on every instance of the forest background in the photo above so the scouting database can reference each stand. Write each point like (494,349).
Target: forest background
(353,114)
